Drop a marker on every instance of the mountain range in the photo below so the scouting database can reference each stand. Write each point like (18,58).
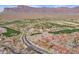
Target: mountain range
(23,11)
(22,8)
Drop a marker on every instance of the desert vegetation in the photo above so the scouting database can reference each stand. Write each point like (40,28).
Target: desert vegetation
(43,35)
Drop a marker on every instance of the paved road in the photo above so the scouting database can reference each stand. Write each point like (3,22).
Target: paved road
(33,46)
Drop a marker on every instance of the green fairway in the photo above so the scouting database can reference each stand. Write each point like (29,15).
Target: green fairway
(65,31)
(10,32)
(35,34)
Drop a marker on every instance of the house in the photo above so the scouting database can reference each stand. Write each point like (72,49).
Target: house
(2,30)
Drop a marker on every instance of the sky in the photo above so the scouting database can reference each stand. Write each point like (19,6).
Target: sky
(54,6)
(6,6)
(37,6)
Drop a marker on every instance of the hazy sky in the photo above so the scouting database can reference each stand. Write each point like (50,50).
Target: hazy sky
(37,6)
(54,6)
(6,6)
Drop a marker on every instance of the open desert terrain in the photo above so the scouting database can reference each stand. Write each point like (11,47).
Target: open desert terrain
(28,30)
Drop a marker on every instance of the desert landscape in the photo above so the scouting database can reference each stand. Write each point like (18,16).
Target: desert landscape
(31,30)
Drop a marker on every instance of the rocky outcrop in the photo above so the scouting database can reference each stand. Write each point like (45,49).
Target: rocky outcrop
(22,8)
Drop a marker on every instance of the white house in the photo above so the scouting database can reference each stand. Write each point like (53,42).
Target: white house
(2,30)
